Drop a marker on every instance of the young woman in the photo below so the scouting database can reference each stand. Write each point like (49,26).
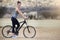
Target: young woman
(14,20)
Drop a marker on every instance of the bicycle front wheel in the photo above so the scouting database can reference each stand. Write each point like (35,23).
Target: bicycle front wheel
(29,32)
(6,30)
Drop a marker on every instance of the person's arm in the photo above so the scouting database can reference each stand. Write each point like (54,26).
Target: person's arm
(20,13)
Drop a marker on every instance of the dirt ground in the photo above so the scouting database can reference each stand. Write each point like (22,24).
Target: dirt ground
(41,34)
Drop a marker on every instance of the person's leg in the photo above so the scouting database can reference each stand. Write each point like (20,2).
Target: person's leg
(13,25)
(17,29)
(17,23)
(13,28)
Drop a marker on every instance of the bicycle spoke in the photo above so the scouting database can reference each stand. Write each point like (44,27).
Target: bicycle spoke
(29,32)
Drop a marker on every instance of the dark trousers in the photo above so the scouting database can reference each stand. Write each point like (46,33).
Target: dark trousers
(14,28)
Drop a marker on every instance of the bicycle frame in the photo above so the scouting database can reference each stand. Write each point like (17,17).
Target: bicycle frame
(24,22)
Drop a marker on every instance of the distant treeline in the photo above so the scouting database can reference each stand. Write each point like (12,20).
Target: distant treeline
(41,13)
(3,10)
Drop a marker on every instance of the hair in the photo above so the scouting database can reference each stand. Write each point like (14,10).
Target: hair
(18,2)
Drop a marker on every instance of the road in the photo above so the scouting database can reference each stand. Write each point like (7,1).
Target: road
(45,29)
(43,33)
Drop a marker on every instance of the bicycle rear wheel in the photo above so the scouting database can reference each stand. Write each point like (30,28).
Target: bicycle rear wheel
(6,30)
(29,32)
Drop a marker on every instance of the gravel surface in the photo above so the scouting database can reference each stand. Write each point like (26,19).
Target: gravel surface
(41,34)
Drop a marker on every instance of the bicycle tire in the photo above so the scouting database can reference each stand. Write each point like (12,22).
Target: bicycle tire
(7,26)
(33,32)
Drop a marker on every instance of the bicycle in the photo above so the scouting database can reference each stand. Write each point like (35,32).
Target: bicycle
(28,31)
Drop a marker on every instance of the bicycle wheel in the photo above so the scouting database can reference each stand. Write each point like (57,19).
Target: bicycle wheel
(6,30)
(29,32)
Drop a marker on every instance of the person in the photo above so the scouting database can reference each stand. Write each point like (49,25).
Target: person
(14,19)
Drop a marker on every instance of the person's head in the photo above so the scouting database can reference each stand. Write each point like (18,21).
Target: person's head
(18,3)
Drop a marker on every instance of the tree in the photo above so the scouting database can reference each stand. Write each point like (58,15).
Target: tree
(3,10)
(0,0)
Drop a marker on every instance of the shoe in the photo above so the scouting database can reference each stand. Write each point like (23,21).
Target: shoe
(15,36)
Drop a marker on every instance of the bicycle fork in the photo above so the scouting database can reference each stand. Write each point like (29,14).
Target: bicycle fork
(27,27)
